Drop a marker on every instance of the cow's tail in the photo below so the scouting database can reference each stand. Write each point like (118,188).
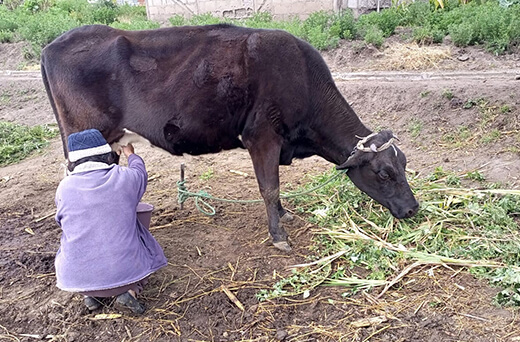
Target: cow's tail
(53,103)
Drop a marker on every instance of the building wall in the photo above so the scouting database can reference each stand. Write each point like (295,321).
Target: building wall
(161,10)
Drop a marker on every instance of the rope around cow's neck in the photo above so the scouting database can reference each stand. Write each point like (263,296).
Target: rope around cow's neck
(183,194)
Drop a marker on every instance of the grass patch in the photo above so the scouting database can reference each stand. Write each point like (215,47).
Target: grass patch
(415,127)
(360,246)
(18,141)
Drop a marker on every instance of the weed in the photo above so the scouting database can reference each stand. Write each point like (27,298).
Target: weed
(207,175)
(425,93)
(447,93)
(459,137)
(492,136)
(470,103)
(415,127)
(5,97)
(505,109)
(476,175)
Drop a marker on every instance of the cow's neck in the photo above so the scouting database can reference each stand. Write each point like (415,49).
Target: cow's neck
(341,130)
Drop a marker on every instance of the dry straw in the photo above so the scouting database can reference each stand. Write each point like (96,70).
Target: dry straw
(411,56)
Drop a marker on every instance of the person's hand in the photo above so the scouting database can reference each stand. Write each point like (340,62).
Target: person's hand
(128,150)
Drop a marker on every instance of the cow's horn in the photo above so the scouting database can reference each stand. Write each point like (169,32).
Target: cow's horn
(373,147)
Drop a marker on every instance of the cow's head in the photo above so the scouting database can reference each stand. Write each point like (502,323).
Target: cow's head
(377,167)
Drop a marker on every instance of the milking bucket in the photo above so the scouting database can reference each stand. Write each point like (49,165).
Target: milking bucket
(144,214)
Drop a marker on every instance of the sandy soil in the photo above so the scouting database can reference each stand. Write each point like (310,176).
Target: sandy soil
(185,300)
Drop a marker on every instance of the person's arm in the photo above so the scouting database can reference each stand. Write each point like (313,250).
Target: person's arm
(136,164)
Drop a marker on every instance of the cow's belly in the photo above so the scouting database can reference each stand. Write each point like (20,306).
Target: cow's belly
(182,144)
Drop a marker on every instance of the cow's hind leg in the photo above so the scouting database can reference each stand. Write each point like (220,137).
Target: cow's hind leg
(265,154)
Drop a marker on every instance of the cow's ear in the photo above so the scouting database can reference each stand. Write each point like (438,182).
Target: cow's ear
(351,162)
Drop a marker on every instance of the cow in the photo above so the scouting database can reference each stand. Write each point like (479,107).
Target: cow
(204,89)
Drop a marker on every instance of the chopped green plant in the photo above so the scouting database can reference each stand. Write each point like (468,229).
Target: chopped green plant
(476,175)
(368,249)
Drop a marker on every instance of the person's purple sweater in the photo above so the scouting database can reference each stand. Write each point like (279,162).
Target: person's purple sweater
(103,245)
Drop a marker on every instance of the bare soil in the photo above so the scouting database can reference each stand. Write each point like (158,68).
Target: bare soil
(186,301)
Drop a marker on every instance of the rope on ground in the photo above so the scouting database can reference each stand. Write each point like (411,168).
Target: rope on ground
(204,207)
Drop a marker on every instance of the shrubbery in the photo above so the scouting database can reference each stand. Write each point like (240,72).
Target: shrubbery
(41,21)
(494,24)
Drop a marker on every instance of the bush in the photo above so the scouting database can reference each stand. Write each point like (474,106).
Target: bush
(71,6)
(258,20)
(103,12)
(427,35)
(8,20)
(136,25)
(514,26)
(416,14)
(462,34)
(43,27)
(386,21)
(205,19)
(177,20)
(346,23)
(491,26)
(6,36)
(374,35)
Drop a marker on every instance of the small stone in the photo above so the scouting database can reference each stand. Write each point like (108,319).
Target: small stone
(281,334)
(517,77)
(456,102)
(463,58)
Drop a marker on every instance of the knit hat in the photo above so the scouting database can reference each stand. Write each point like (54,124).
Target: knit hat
(87,143)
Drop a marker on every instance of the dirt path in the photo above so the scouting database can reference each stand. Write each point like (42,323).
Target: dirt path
(186,301)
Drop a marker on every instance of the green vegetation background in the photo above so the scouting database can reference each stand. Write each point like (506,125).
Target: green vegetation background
(495,24)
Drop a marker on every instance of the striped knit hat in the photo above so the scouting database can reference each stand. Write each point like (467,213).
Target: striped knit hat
(86,144)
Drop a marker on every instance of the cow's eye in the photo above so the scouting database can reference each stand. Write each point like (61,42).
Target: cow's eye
(383,175)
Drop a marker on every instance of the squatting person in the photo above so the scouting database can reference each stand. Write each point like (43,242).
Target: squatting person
(104,250)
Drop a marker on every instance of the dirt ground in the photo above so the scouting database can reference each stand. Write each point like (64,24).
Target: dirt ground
(186,301)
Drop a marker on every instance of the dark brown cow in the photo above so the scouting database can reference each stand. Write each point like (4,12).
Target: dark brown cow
(205,89)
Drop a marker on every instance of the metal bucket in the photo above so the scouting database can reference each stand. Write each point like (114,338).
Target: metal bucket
(144,214)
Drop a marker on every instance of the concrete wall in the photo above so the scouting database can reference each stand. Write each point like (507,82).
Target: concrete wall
(161,10)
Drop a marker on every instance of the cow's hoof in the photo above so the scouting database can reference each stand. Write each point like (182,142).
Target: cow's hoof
(287,217)
(283,246)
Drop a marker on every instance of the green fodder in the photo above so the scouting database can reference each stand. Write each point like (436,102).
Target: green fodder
(18,141)
(477,229)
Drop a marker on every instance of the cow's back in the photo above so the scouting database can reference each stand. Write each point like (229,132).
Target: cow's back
(186,89)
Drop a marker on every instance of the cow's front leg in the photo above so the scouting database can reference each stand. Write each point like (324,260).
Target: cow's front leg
(283,214)
(266,163)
